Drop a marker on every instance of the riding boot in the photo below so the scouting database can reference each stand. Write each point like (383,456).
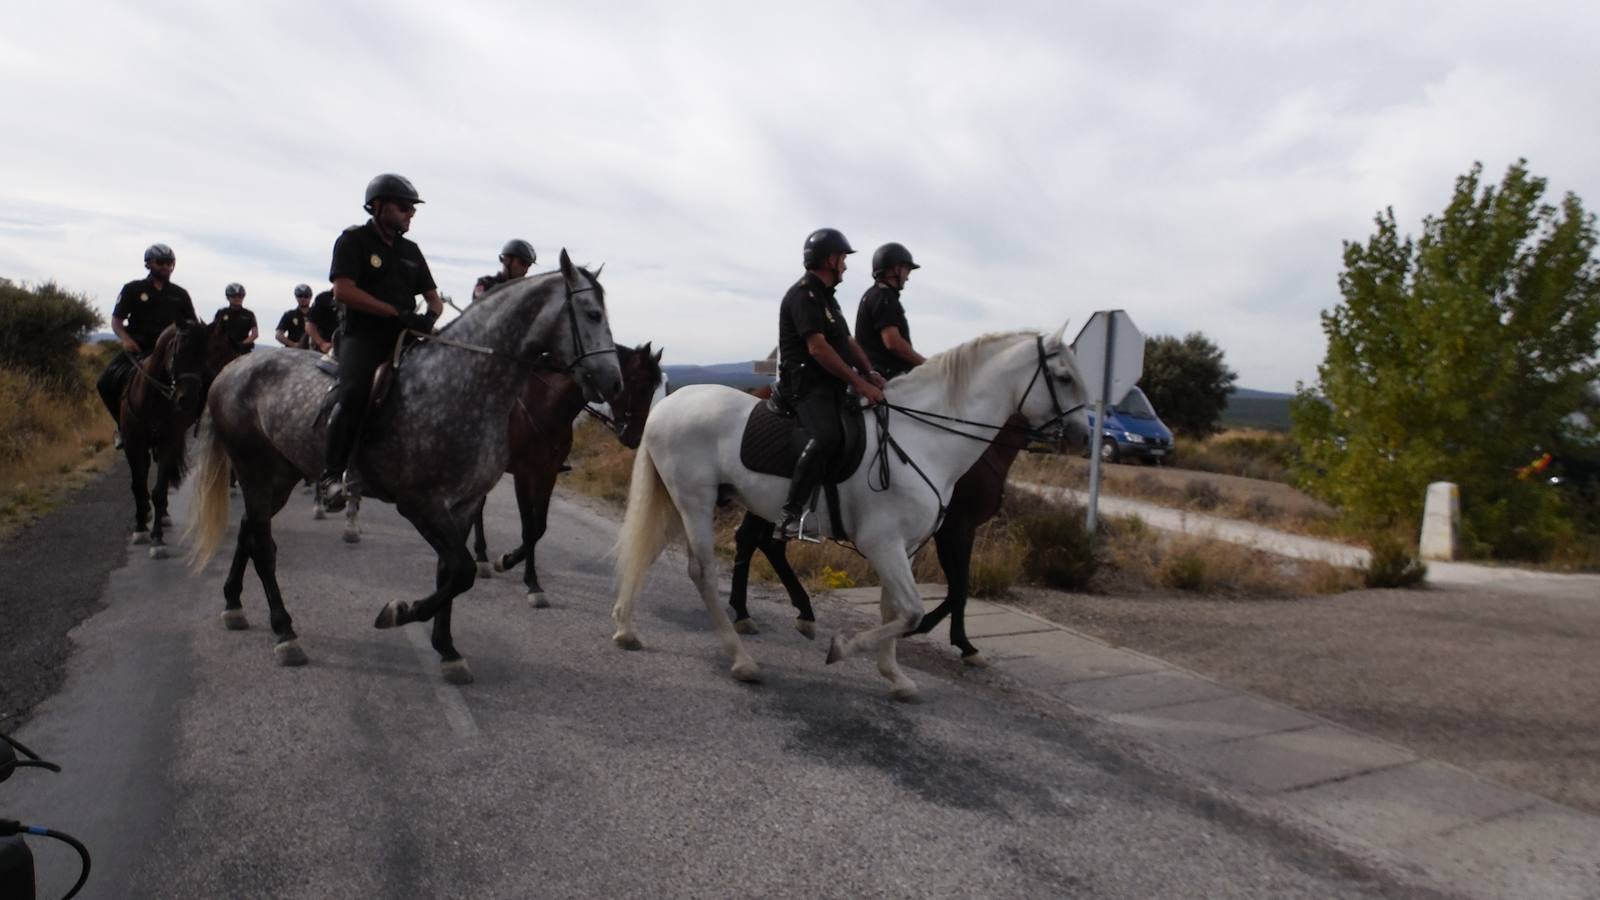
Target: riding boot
(342,430)
(808,471)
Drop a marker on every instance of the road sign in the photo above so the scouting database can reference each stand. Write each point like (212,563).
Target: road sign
(1110,353)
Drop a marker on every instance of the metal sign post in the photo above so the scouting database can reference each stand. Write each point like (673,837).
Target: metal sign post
(1110,353)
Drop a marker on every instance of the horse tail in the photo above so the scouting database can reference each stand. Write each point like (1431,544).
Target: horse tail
(651,521)
(210,519)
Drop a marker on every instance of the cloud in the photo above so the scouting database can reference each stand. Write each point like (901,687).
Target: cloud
(1196,165)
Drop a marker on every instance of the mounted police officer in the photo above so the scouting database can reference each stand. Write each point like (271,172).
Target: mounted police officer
(238,324)
(816,355)
(322,322)
(881,326)
(516,258)
(377,274)
(144,309)
(291,331)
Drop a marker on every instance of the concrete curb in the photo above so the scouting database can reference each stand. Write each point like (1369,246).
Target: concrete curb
(1460,831)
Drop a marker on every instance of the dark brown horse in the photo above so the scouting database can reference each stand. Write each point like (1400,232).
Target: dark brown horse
(541,438)
(975,500)
(161,402)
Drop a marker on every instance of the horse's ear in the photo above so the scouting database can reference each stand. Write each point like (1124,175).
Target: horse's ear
(567,270)
(643,349)
(596,275)
(658,355)
(1059,338)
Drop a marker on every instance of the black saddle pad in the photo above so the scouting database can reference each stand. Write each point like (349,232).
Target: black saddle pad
(772,442)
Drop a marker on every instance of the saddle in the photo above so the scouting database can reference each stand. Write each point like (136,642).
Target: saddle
(382,381)
(773,439)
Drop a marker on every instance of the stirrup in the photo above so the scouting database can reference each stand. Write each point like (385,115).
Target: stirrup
(799,530)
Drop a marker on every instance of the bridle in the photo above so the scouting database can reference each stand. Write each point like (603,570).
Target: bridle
(544,361)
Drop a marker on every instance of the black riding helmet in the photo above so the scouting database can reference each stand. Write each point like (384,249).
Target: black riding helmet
(159,253)
(890,255)
(235,289)
(517,248)
(302,290)
(823,243)
(389,186)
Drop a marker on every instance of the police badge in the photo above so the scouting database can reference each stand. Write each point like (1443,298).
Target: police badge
(377,261)
(143,298)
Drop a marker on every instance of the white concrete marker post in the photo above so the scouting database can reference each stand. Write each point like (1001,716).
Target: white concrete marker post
(1110,353)
(1441,522)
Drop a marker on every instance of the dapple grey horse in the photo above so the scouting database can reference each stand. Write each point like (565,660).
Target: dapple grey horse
(439,445)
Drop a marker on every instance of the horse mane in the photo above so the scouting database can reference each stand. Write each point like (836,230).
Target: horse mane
(953,368)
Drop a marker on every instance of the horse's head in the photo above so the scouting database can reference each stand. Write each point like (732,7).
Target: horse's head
(641,375)
(220,351)
(582,340)
(1057,398)
(185,364)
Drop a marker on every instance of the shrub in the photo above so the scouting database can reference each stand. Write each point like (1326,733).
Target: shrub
(1201,495)
(1394,564)
(1061,552)
(1185,570)
(41,329)
(1260,509)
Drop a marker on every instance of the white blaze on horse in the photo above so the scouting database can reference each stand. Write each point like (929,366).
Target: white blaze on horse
(691,455)
(434,450)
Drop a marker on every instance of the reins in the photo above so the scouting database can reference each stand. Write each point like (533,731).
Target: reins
(543,362)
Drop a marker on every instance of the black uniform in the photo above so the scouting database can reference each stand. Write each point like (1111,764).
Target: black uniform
(146,311)
(809,308)
(293,326)
(487,283)
(393,274)
(237,323)
(880,308)
(324,313)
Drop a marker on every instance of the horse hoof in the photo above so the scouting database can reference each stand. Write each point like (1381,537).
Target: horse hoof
(352,536)
(975,660)
(746,626)
(158,551)
(500,565)
(627,641)
(807,627)
(140,537)
(389,616)
(905,694)
(234,620)
(317,513)
(835,650)
(456,672)
(746,671)
(289,653)
(485,570)
(538,600)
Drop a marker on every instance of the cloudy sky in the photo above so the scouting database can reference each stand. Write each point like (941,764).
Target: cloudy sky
(1196,164)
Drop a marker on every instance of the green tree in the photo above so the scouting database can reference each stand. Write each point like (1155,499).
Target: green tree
(1457,357)
(1187,382)
(41,328)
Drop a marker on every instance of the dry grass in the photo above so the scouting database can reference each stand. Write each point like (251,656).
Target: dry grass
(1245,452)
(51,439)
(1133,557)
(1229,496)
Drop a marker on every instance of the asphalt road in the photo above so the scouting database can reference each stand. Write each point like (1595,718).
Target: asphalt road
(196,767)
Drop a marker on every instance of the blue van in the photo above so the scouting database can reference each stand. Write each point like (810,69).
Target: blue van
(1134,431)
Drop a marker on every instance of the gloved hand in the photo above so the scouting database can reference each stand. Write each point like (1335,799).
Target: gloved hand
(422,322)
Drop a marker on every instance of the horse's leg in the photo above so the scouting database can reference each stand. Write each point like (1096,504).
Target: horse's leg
(746,541)
(480,544)
(264,494)
(901,605)
(456,572)
(166,472)
(352,508)
(233,617)
(777,554)
(533,506)
(703,571)
(954,545)
(139,467)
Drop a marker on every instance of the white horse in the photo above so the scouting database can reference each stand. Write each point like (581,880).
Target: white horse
(690,455)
